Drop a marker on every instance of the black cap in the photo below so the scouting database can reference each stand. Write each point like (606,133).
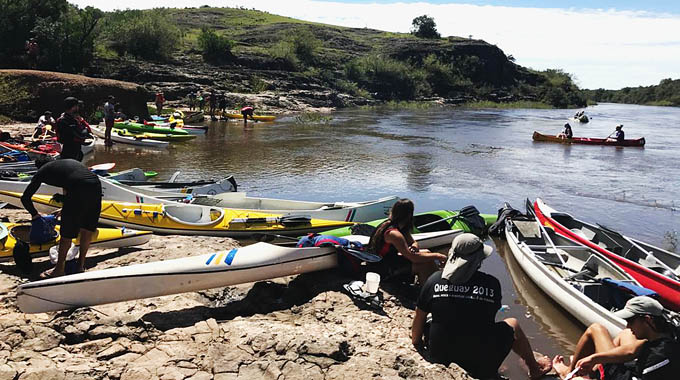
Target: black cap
(70,102)
(47,113)
(112,97)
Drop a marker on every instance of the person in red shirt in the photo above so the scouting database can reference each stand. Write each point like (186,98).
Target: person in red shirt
(160,99)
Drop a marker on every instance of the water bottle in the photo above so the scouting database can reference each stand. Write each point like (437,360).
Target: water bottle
(504,308)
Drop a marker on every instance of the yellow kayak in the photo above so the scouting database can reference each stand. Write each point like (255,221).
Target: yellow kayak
(189,219)
(255,117)
(103,238)
(153,136)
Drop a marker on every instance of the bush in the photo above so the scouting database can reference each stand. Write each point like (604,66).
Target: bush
(388,78)
(424,27)
(144,34)
(285,51)
(213,46)
(298,47)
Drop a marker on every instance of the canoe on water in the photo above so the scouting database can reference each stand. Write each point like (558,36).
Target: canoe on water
(121,136)
(188,219)
(342,211)
(255,117)
(142,128)
(169,137)
(654,268)
(581,280)
(587,140)
(103,238)
(257,262)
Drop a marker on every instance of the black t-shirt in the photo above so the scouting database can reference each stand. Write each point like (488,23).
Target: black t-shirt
(460,309)
(68,174)
(658,360)
(71,134)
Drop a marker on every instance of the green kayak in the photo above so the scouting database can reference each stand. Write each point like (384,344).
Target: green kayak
(433,218)
(139,127)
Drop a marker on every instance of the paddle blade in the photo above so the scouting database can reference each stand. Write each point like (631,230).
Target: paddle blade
(292,220)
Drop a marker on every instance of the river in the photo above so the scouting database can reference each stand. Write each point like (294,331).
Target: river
(446,158)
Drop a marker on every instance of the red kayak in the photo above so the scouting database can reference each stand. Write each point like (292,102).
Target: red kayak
(653,267)
(50,148)
(587,140)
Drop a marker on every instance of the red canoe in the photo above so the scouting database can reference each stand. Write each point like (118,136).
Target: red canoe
(587,140)
(653,267)
(49,148)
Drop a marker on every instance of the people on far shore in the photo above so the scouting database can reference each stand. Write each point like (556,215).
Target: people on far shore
(81,204)
(109,117)
(222,104)
(213,103)
(247,111)
(71,133)
(201,101)
(644,350)
(160,100)
(464,302)
(192,100)
(45,127)
(619,135)
(566,132)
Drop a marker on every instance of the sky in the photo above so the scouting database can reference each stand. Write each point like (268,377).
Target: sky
(603,44)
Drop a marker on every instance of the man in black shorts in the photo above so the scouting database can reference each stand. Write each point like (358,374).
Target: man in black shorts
(81,205)
(464,302)
(70,132)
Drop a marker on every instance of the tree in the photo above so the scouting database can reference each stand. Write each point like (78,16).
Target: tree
(214,47)
(424,27)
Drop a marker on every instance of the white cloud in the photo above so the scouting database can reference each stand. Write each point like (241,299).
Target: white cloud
(602,48)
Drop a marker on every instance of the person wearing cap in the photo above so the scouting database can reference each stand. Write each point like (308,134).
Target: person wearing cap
(160,99)
(71,133)
(464,301)
(81,204)
(109,117)
(567,132)
(619,135)
(400,253)
(645,350)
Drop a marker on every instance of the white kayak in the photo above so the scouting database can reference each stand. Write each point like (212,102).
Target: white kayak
(576,277)
(343,211)
(257,262)
(129,140)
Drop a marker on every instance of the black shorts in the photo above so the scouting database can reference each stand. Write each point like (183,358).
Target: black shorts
(480,354)
(82,207)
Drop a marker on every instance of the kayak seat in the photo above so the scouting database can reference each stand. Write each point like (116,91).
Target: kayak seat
(193,215)
(584,233)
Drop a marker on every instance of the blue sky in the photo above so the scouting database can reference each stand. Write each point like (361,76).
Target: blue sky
(603,44)
(650,6)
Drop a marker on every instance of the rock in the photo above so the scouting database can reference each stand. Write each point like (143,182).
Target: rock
(37,91)
(201,376)
(7,372)
(112,351)
(43,374)
(136,373)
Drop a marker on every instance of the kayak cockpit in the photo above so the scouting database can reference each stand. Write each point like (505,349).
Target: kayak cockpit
(194,215)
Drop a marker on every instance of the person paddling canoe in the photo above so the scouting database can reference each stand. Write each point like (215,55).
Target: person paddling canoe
(619,135)
(566,133)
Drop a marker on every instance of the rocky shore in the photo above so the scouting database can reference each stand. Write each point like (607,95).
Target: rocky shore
(299,327)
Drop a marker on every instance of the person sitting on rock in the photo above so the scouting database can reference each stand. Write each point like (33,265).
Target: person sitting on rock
(392,241)
(464,302)
(566,133)
(644,350)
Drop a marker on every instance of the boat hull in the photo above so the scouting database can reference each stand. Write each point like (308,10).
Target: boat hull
(588,141)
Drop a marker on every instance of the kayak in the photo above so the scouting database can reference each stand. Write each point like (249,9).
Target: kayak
(655,268)
(343,211)
(103,238)
(255,117)
(256,262)
(51,148)
(587,140)
(193,116)
(124,138)
(433,220)
(142,128)
(583,119)
(188,219)
(581,280)
(169,137)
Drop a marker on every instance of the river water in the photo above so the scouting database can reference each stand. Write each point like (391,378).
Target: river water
(446,158)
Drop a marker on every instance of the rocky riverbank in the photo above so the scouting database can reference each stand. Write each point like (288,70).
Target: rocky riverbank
(291,328)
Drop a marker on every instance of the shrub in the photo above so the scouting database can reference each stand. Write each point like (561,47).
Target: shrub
(285,52)
(298,47)
(213,46)
(144,34)
(388,78)
(424,27)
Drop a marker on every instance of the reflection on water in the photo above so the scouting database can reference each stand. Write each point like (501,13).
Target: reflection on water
(447,158)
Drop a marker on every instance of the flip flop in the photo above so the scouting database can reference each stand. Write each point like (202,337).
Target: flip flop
(47,274)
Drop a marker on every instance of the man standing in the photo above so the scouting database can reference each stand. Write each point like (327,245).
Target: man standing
(109,116)
(81,204)
(70,132)
(464,302)
(160,99)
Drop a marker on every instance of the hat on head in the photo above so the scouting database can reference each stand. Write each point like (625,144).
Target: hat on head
(640,305)
(112,97)
(47,113)
(466,254)
(70,102)
(619,126)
